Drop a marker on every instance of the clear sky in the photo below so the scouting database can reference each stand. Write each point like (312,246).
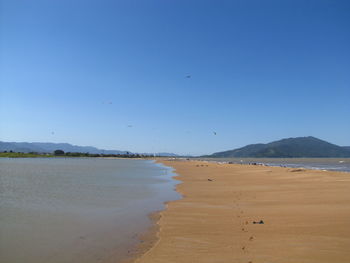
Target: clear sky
(113,74)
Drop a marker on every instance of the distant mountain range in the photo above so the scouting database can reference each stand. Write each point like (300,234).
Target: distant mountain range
(48,147)
(288,148)
(346,148)
(285,148)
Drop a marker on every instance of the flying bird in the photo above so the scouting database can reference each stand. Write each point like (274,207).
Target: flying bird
(188,76)
(214,133)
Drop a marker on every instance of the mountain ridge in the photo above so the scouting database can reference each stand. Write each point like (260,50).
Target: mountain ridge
(301,147)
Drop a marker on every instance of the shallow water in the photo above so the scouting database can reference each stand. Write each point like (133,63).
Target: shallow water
(77,210)
(331,164)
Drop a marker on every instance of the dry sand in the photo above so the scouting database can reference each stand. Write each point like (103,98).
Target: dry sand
(306,216)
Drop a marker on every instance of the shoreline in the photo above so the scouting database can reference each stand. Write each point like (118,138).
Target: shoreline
(147,239)
(322,164)
(304,214)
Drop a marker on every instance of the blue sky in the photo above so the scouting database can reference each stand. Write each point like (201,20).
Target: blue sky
(84,71)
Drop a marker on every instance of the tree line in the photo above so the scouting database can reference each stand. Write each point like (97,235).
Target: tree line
(79,154)
(60,153)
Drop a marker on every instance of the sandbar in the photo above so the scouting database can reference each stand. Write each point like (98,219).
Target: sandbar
(253,214)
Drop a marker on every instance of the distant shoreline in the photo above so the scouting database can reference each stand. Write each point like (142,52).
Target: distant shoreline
(323,164)
(71,155)
(316,163)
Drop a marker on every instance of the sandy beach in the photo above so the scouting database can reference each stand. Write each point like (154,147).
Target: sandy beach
(254,214)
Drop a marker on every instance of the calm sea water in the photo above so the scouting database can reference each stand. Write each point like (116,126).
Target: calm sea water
(331,164)
(77,210)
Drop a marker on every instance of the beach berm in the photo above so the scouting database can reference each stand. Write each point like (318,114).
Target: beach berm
(254,214)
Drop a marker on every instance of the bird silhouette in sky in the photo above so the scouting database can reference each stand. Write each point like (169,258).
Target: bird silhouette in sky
(188,76)
(214,133)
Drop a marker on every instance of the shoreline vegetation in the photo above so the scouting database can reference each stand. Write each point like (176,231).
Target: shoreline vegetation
(11,154)
(251,213)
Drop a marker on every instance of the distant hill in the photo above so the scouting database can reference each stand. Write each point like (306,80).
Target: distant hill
(45,147)
(288,148)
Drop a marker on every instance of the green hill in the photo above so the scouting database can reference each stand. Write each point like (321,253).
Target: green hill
(288,148)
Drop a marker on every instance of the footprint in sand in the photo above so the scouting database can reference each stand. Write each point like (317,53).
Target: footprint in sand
(251,238)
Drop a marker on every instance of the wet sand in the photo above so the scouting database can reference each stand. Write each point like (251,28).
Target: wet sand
(305,216)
